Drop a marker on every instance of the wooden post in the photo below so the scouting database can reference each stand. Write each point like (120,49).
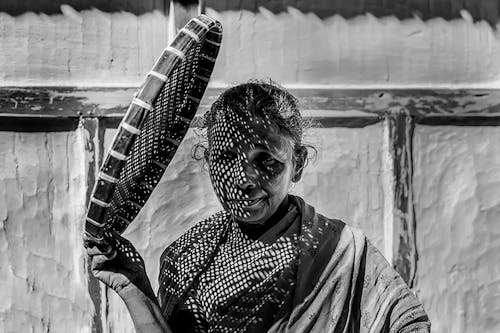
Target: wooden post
(202,7)
(182,13)
(91,127)
(401,126)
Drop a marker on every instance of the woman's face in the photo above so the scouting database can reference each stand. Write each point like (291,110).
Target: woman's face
(251,166)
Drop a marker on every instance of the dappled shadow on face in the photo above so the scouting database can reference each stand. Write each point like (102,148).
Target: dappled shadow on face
(250,163)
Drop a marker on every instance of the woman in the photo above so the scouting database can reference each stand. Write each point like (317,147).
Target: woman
(268,261)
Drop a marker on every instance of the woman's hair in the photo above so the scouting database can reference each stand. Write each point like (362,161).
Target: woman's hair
(264,99)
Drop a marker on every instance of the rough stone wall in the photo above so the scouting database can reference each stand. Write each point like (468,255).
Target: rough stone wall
(42,268)
(457,207)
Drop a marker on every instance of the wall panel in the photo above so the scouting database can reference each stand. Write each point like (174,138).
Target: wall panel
(42,267)
(87,48)
(457,207)
(346,180)
(298,48)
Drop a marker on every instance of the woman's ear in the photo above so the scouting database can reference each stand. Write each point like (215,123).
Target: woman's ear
(206,155)
(300,162)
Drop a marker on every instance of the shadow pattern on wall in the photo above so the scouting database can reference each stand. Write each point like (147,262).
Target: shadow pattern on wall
(487,10)
(16,7)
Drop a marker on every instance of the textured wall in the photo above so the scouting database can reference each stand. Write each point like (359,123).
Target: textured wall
(301,49)
(42,271)
(403,9)
(87,48)
(481,10)
(16,7)
(457,207)
(346,180)
(95,48)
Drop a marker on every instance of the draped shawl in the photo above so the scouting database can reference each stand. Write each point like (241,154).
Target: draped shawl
(338,282)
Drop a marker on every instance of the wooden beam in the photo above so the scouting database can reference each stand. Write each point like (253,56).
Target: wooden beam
(64,101)
(419,103)
(401,125)
(110,102)
(37,124)
(322,122)
(183,12)
(459,121)
(59,124)
(202,7)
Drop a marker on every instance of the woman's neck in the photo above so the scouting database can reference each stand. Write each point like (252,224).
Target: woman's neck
(254,231)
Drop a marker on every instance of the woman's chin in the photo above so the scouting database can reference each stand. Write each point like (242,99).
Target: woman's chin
(256,212)
(252,217)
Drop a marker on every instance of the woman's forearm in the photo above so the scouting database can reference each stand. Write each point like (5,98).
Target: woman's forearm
(144,311)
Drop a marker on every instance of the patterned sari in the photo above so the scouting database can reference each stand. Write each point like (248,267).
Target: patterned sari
(307,273)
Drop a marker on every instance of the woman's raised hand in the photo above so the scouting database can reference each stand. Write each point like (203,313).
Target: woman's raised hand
(116,263)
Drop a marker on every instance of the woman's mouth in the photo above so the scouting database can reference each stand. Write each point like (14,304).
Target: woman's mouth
(253,201)
(250,202)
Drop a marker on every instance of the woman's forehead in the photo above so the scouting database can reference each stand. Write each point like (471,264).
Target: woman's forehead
(233,129)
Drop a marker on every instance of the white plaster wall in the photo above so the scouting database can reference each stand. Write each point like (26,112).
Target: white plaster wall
(93,48)
(346,180)
(300,49)
(42,201)
(87,48)
(457,208)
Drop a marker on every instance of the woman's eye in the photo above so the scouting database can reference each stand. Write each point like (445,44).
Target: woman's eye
(227,156)
(269,161)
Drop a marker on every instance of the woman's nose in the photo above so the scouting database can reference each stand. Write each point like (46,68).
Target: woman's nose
(247,176)
(246,184)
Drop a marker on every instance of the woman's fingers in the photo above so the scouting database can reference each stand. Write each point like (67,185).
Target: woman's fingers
(104,249)
(110,246)
(100,262)
(90,240)
(96,247)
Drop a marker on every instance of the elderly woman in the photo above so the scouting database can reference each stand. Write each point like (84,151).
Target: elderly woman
(268,261)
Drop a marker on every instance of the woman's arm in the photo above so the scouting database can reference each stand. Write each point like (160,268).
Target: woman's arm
(118,265)
(145,312)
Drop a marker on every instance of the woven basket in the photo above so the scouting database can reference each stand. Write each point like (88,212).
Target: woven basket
(153,127)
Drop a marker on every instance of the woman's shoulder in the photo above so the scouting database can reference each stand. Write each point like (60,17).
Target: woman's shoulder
(342,252)
(213,221)
(200,230)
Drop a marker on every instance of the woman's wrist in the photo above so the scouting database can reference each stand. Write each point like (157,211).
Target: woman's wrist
(132,292)
(129,292)
(144,310)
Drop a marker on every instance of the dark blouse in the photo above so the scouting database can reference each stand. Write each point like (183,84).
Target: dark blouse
(239,264)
